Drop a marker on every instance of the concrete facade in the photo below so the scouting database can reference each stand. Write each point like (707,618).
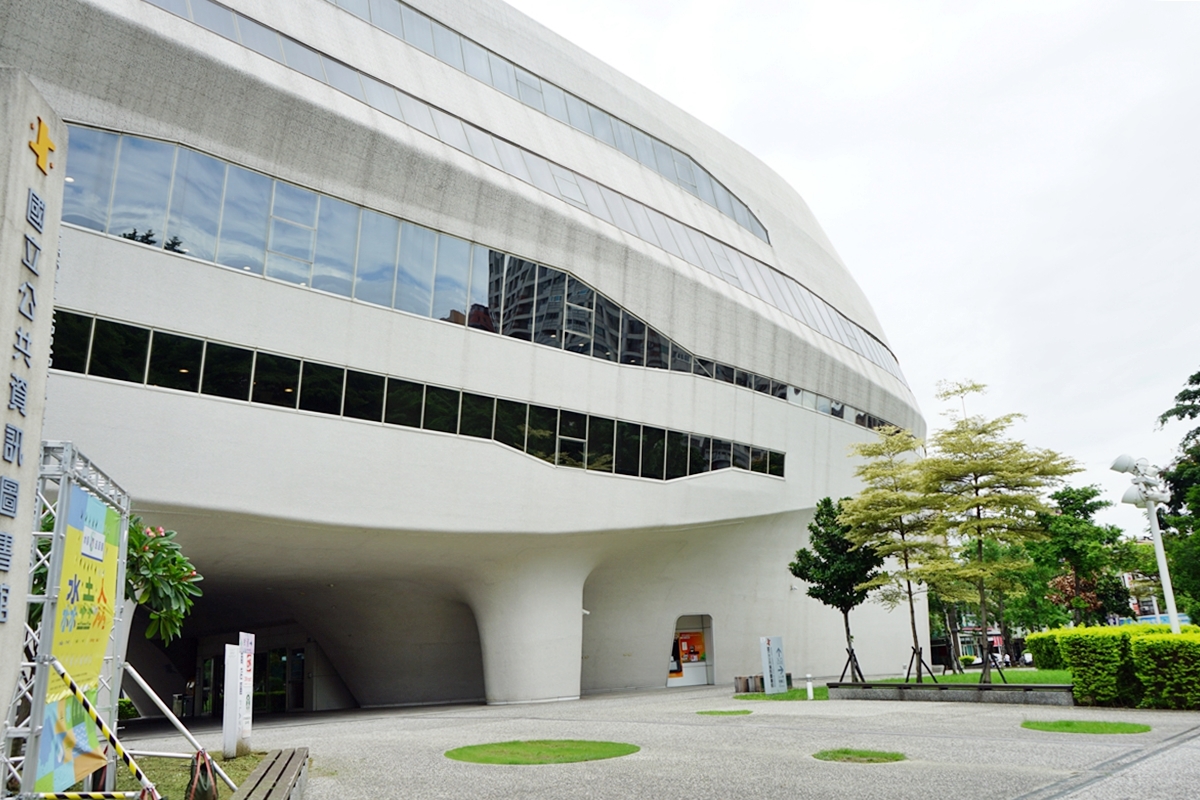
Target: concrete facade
(431,566)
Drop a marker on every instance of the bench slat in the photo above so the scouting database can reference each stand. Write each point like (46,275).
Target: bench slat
(255,778)
(266,787)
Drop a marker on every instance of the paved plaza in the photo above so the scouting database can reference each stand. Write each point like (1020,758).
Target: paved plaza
(953,749)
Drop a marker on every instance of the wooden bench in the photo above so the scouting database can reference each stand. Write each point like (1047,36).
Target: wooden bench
(280,776)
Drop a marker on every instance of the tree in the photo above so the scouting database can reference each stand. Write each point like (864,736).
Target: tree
(1085,555)
(1187,406)
(836,569)
(890,516)
(986,487)
(1181,518)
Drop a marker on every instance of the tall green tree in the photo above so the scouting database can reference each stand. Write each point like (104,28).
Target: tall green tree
(1181,518)
(986,487)
(1086,555)
(890,516)
(835,568)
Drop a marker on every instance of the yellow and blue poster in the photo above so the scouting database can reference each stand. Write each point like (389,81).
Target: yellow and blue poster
(69,749)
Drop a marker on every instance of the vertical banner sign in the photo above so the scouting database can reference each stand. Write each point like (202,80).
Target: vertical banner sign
(774,672)
(70,746)
(239,696)
(33,145)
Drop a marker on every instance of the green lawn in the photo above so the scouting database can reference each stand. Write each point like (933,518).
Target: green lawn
(170,775)
(541,751)
(1085,726)
(819,693)
(1013,675)
(739,712)
(858,756)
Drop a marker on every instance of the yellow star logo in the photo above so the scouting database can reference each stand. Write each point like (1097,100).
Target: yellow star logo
(42,146)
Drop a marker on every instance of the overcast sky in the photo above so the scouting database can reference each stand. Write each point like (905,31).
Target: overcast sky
(1016,186)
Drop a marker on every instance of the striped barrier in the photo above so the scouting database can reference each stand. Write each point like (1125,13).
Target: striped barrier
(148,789)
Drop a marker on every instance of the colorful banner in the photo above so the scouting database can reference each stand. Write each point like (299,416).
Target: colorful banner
(70,746)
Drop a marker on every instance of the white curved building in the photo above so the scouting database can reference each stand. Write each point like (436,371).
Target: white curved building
(429,331)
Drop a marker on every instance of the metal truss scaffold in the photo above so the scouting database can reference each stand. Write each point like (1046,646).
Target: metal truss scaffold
(61,468)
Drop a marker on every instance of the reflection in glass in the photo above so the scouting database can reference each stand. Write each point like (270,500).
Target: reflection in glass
(174,361)
(217,19)
(275,380)
(72,336)
(570,452)
(476,416)
(479,314)
(542,432)
(244,220)
(119,351)
(414,273)
(758,459)
(441,409)
(503,76)
(446,46)
(450,285)
(337,233)
(775,464)
(837,410)
(555,102)
(577,113)
(259,39)
(743,378)
(722,455)
(762,384)
(343,78)
(510,423)
(139,204)
(364,396)
(377,245)
(698,454)
(702,366)
(724,372)
(475,61)
(577,335)
(823,405)
(606,343)
(600,444)
(779,390)
(633,340)
(548,319)
(295,204)
(195,205)
(288,269)
(227,371)
(302,59)
(321,388)
(654,452)
(657,349)
(290,239)
(494,277)
(741,456)
(404,400)
(681,360)
(417,30)
(520,283)
(572,433)
(629,448)
(90,166)
(677,455)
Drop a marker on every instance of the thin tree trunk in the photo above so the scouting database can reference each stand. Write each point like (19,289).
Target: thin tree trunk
(956,645)
(912,615)
(850,646)
(1076,612)
(986,676)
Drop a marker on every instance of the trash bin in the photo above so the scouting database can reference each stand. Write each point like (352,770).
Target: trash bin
(741,684)
(177,705)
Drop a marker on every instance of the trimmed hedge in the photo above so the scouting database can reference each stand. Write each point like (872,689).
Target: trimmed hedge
(1101,667)
(1044,648)
(1168,667)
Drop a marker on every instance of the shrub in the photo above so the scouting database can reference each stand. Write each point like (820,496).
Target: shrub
(1101,667)
(126,709)
(966,661)
(1044,648)
(1168,667)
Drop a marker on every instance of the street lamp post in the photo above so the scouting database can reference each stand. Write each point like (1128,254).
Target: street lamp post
(1147,490)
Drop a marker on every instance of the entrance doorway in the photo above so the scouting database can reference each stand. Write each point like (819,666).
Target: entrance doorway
(691,661)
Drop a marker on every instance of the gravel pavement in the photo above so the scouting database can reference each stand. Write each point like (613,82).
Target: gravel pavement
(953,749)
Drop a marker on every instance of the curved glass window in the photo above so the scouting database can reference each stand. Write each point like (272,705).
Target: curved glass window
(750,275)
(119,351)
(291,234)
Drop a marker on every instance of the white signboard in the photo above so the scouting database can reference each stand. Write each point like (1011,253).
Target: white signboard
(239,696)
(774,672)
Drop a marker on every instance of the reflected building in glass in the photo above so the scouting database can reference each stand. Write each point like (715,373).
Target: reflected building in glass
(466,370)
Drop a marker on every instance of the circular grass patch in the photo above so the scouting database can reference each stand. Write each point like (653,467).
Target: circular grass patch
(541,751)
(858,756)
(738,713)
(1084,726)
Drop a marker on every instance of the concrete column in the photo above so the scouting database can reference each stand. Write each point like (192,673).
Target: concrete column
(530,616)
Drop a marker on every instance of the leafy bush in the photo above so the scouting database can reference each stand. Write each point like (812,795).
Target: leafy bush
(1044,648)
(966,661)
(1168,667)
(1101,667)
(126,709)
(160,577)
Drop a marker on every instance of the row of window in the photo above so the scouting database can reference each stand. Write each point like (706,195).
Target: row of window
(115,350)
(451,48)
(636,219)
(172,197)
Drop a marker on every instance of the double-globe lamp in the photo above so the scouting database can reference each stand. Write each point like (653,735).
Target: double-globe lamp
(1148,491)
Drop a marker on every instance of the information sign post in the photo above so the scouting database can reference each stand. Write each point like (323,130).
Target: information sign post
(774,671)
(239,696)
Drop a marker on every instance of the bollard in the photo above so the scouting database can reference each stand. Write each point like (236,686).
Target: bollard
(808,685)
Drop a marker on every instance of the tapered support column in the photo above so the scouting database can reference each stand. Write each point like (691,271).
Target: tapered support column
(530,617)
